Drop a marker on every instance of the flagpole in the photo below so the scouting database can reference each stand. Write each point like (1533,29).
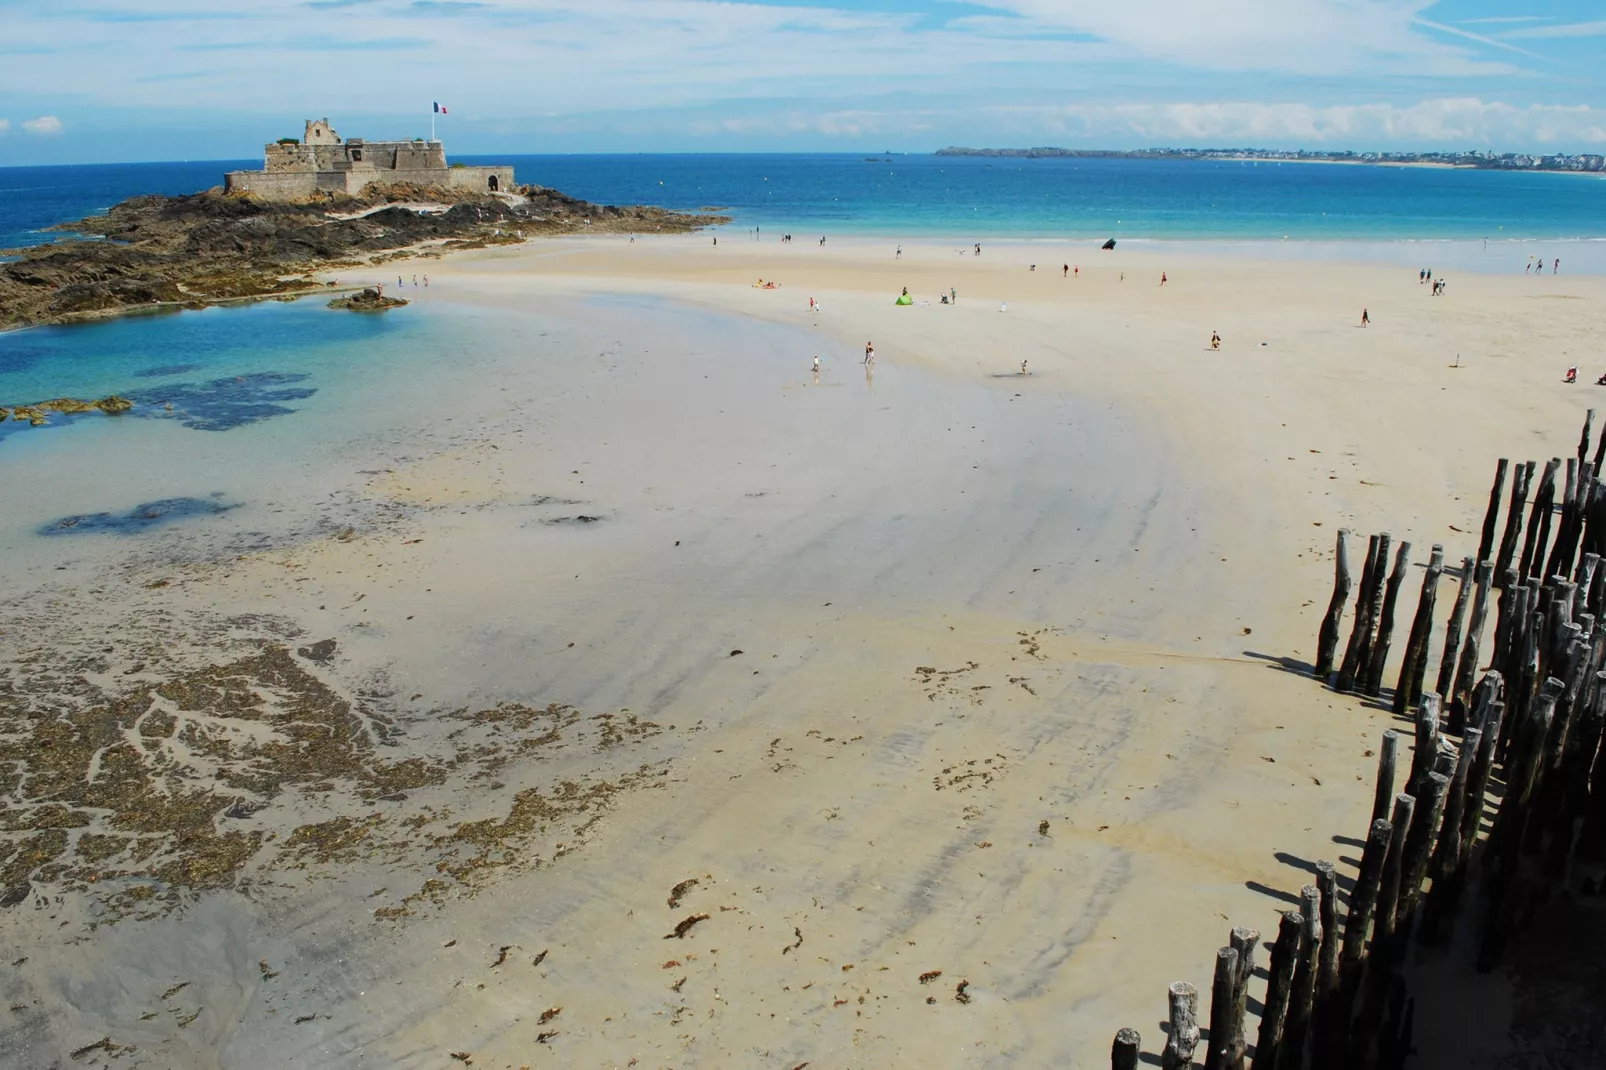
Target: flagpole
(432,123)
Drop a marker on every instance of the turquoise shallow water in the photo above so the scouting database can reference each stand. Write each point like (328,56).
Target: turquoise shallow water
(219,368)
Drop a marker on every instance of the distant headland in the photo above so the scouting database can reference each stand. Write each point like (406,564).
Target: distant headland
(1486,161)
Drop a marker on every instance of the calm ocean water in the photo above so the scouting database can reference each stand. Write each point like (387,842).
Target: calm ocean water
(970,197)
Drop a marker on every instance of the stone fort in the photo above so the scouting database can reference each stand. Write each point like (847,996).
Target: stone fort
(324,163)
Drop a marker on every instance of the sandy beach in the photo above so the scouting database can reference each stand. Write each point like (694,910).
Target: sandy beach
(692,709)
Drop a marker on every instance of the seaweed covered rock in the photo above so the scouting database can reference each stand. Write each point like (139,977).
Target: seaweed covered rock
(368,300)
(37,414)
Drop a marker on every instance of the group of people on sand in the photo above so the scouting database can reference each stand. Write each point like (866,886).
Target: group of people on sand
(773,285)
(1572,377)
(1438,285)
(1536,266)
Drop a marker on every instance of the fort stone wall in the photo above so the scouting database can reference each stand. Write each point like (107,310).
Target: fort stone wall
(324,163)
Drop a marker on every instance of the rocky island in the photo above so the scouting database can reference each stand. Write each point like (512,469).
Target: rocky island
(155,252)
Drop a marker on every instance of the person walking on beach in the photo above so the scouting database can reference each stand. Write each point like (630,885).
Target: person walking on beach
(426,277)
(953,295)
(1366,318)
(1215,340)
(816,365)
(978,248)
(398,282)
(1555,265)
(869,354)
(1421,276)
(899,255)
(1023,370)
(1066,273)
(716,240)
(415,282)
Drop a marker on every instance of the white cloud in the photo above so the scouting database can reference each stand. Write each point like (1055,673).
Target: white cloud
(44,126)
(1571,29)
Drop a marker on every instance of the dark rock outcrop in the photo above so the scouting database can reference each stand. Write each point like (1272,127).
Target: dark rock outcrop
(209,248)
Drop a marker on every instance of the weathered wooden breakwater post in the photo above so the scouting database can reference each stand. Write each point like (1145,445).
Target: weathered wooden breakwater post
(1373,682)
(1366,604)
(1327,641)
(1124,1052)
(1409,688)
(1221,1007)
(1386,761)
(1491,518)
(1183,1037)
(1519,499)
(1452,634)
(1279,988)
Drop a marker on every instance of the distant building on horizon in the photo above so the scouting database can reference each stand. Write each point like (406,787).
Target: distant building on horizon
(322,163)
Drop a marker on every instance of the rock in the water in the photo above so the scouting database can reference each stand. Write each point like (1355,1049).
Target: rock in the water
(321,651)
(369,300)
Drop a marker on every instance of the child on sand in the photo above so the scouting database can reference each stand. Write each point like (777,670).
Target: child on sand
(1366,319)
(869,354)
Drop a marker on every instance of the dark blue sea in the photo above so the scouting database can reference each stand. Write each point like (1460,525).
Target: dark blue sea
(969,197)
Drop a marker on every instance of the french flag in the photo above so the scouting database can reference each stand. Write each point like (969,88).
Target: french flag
(438,109)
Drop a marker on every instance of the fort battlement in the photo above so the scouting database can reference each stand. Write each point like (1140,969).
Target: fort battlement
(324,163)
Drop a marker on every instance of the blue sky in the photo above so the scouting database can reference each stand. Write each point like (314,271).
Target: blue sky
(107,80)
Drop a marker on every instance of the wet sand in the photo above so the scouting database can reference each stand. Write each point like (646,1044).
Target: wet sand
(936,668)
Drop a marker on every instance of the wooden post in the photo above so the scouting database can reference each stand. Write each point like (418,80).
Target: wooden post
(1244,941)
(1482,766)
(1385,628)
(1388,897)
(1585,578)
(1327,884)
(1427,741)
(1124,1052)
(1414,667)
(1467,667)
(1327,641)
(1363,898)
(1184,1035)
(1519,497)
(1279,989)
(1452,635)
(1419,844)
(1360,636)
(1386,761)
(1302,997)
(1505,616)
(1448,851)
(1533,546)
(1387,945)
(1448,868)
(1583,439)
(1221,995)
(1492,517)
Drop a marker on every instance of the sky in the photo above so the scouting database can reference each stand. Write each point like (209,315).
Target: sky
(113,80)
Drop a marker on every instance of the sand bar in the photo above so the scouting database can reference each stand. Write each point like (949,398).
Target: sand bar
(967,603)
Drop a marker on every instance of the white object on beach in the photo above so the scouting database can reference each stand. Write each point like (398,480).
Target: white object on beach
(1003,306)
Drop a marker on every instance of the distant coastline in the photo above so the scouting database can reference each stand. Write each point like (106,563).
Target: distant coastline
(1482,161)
